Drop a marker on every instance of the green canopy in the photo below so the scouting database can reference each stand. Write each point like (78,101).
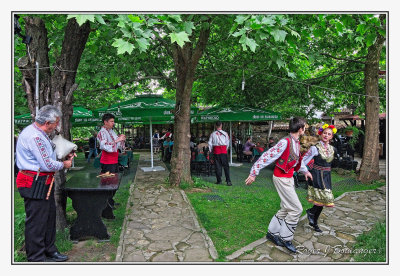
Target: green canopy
(236,114)
(80,117)
(143,110)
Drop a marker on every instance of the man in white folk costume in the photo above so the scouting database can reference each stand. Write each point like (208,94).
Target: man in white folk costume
(286,155)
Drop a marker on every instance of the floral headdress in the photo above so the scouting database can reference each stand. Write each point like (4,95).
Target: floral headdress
(334,130)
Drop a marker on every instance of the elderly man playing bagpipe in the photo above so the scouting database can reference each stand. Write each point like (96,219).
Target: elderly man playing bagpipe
(36,160)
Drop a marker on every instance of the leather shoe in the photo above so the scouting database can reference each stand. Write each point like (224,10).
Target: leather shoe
(310,217)
(56,257)
(289,246)
(274,239)
(217,183)
(229,183)
(316,228)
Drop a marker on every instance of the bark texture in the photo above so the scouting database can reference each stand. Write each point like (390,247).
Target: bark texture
(185,61)
(369,169)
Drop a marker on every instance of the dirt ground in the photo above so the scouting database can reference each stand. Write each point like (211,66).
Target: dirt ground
(92,251)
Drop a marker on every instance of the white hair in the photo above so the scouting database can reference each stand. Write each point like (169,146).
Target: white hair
(47,113)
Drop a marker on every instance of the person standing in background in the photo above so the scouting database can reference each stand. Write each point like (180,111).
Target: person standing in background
(92,146)
(109,144)
(218,145)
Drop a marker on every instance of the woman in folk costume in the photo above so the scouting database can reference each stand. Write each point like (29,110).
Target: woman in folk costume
(320,192)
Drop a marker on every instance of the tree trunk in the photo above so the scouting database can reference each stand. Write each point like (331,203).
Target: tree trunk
(185,61)
(62,88)
(369,169)
(56,89)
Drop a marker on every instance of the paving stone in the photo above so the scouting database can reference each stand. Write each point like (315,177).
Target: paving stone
(280,256)
(251,256)
(264,259)
(136,225)
(263,249)
(182,246)
(134,257)
(329,240)
(170,233)
(165,257)
(197,255)
(345,236)
(160,246)
(356,216)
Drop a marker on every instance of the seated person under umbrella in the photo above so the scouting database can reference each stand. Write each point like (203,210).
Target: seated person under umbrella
(247,149)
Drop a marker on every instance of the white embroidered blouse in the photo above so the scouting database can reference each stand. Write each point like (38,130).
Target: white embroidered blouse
(35,150)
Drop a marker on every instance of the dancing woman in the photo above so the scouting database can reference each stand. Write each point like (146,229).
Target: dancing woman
(320,191)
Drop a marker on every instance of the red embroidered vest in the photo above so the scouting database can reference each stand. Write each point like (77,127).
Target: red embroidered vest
(284,166)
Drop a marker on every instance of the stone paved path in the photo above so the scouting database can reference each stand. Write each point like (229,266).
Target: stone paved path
(355,213)
(160,225)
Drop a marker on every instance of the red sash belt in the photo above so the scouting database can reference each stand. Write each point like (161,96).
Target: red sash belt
(25,178)
(219,149)
(319,168)
(109,157)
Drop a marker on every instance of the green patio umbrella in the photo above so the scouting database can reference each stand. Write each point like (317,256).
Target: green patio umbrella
(80,117)
(235,113)
(145,109)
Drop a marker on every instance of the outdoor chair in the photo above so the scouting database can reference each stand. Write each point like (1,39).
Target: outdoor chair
(256,154)
(201,163)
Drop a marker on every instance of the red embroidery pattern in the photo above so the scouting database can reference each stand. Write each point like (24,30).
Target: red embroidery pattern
(44,154)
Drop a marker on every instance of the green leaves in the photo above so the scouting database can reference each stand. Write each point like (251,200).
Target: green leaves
(81,18)
(241,18)
(188,27)
(370,39)
(123,46)
(179,38)
(143,44)
(279,35)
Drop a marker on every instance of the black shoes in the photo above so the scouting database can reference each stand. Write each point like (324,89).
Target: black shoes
(310,217)
(313,221)
(56,257)
(316,228)
(218,182)
(274,239)
(229,183)
(288,245)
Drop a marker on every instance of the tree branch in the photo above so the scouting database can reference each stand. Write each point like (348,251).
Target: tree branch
(68,97)
(122,83)
(201,44)
(336,74)
(345,59)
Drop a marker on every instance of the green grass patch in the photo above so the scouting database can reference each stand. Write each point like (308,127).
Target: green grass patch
(63,243)
(371,246)
(238,215)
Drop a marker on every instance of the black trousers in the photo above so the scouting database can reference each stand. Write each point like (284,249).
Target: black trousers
(112,168)
(40,228)
(221,161)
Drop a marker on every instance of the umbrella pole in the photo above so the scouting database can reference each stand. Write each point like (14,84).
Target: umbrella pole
(230,138)
(151,143)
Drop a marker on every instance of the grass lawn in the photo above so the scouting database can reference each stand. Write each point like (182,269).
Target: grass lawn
(63,242)
(371,246)
(238,215)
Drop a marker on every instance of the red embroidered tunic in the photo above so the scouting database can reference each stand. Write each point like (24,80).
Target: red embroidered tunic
(286,158)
